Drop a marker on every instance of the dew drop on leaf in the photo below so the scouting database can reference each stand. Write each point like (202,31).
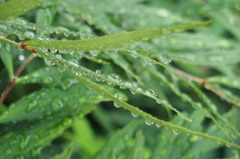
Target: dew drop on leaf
(150,93)
(134,115)
(57,105)
(53,50)
(175,132)
(29,34)
(116,105)
(148,122)
(158,126)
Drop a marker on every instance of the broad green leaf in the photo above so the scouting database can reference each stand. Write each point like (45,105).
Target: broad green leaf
(110,42)
(117,142)
(6,57)
(48,101)
(47,75)
(233,82)
(27,142)
(66,154)
(14,8)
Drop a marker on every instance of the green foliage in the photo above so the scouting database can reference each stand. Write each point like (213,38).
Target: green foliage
(162,63)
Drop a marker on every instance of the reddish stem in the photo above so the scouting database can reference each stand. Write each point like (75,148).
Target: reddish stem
(13,80)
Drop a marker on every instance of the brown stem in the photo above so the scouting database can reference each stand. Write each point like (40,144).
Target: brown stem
(13,80)
(205,84)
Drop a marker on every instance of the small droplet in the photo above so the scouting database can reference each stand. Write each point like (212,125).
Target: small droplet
(158,126)
(128,84)
(29,34)
(165,59)
(150,93)
(159,101)
(21,57)
(116,105)
(148,122)
(49,63)
(175,132)
(57,105)
(118,96)
(98,72)
(134,115)
(67,121)
(53,51)
(94,52)
(114,78)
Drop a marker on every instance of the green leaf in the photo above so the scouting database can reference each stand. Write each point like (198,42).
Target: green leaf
(47,75)
(48,101)
(27,142)
(14,8)
(116,143)
(66,154)
(110,42)
(6,57)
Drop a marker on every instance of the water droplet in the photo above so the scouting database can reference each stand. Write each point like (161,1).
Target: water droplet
(114,78)
(175,132)
(29,34)
(118,96)
(67,121)
(158,126)
(116,105)
(53,51)
(94,52)
(21,57)
(57,105)
(159,101)
(134,115)
(148,122)
(165,59)
(49,63)
(150,93)
(78,74)
(128,84)
(98,72)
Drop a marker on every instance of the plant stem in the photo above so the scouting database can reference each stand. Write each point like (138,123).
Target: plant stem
(205,84)
(20,69)
(10,41)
